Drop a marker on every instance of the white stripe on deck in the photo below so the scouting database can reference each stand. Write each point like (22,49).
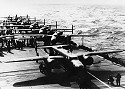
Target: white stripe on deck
(100,81)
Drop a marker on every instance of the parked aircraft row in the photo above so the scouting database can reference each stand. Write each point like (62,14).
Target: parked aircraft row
(67,55)
(63,53)
(19,21)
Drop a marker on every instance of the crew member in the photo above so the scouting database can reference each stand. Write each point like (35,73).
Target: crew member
(8,46)
(31,41)
(118,78)
(111,80)
(35,45)
(19,44)
(108,79)
(46,40)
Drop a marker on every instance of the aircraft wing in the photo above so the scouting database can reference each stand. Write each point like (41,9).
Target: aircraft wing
(51,25)
(53,46)
(32,35)
(83,35)
(7,36)
(15,25)
(31,59)
(73,55)
(26,59)
(103,52)
(100,52)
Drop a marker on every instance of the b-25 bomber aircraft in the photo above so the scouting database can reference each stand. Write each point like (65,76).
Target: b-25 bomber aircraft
(60,58)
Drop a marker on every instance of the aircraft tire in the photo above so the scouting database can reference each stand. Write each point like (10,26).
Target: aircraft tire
(44,69)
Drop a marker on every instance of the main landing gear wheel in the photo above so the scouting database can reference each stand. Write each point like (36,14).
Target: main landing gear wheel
(44,69)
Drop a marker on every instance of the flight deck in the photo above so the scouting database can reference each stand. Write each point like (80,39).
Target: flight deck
(26,75)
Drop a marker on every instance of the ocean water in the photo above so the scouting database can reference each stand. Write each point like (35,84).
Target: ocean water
(108,22)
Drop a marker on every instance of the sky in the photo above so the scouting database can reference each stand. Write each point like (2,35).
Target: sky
(23,6)
(27,2)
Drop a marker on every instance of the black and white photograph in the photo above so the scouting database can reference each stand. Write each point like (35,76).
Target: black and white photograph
(62,44)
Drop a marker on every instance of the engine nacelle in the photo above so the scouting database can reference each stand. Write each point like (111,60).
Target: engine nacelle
(89,60)
(86,60)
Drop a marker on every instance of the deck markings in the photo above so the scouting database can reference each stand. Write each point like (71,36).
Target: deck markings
(100,81)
